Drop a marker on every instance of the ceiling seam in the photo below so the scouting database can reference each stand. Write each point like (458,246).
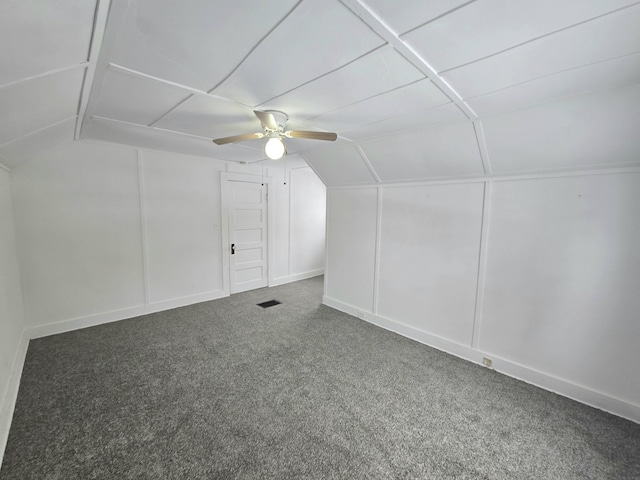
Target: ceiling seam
(45,74)
(95,44)
(324,74)
(366,161)
(382,29)
(601,169)
(578,67)
(168,83)
(538,38)
(22,137)
(115,14)
(438,17)
(373,96)
(482,146)
(3,166)
(224,79)
(123,122)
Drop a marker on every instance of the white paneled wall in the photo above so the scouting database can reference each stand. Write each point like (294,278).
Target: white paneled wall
(182,225)
(562,279)
(351,243)
(307,212)
(109,232)
(429,244)
(541,275)
(78,224)
(13,343)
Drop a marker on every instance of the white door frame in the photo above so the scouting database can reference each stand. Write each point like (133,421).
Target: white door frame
(225,177)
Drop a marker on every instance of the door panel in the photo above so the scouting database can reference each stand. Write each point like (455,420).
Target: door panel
(248,236)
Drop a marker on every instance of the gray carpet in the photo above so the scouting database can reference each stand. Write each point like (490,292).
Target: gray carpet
(225,389)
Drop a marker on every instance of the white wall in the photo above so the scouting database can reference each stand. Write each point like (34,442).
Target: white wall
(109,232)
(541,275)
(12,325)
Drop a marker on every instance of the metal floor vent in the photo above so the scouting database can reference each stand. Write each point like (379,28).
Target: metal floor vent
(268,304)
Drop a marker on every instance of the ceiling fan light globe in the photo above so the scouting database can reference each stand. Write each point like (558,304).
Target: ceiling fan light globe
(274,148)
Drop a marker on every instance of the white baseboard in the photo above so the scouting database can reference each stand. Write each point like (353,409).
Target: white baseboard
(296,277)
(529,375)
(11,392)
(116,315)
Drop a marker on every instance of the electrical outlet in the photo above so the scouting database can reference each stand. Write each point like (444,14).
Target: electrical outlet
(487,361)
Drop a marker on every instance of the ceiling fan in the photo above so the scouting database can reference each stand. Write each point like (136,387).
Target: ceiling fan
(273,123)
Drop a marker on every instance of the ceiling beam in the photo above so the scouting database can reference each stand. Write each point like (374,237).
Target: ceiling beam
(99,25)
(381,28)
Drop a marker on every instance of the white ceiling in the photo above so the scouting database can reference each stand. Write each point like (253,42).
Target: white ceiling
(414,89)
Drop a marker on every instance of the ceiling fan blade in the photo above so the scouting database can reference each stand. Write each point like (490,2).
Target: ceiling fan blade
(267,119)
(312,135)
(237,138)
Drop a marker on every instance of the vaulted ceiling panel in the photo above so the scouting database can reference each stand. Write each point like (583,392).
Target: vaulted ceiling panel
(135,99)
(146,137)
(607,37)
(403,15)
(418,96)
(578,81)
(37,103)
(484,28)
(39,36)
(197,43)
(210,117)
(448,113)
(341,165)
(593,130)
(375,73)
(37,143)
(173,76)
(440,151)
(318,37)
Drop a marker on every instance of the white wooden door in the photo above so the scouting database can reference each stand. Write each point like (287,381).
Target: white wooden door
(248,265)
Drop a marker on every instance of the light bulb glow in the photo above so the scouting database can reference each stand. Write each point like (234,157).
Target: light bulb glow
(274,148)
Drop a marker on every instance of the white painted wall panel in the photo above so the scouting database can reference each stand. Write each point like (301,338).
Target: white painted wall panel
(78,223)
(562,279)
(351,241)
(307,212)
(439,151)
(181,212)
(429,246)
(38,103)
(599,129)
(12,322)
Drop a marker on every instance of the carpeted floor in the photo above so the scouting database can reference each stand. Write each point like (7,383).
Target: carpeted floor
(226,389)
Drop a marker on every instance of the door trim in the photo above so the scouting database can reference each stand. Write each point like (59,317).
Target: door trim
(225,177)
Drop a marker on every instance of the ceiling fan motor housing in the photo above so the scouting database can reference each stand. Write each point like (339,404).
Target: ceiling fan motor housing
(280,117)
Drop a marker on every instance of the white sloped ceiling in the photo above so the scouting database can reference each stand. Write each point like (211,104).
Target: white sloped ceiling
(44,60)
(414,89)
